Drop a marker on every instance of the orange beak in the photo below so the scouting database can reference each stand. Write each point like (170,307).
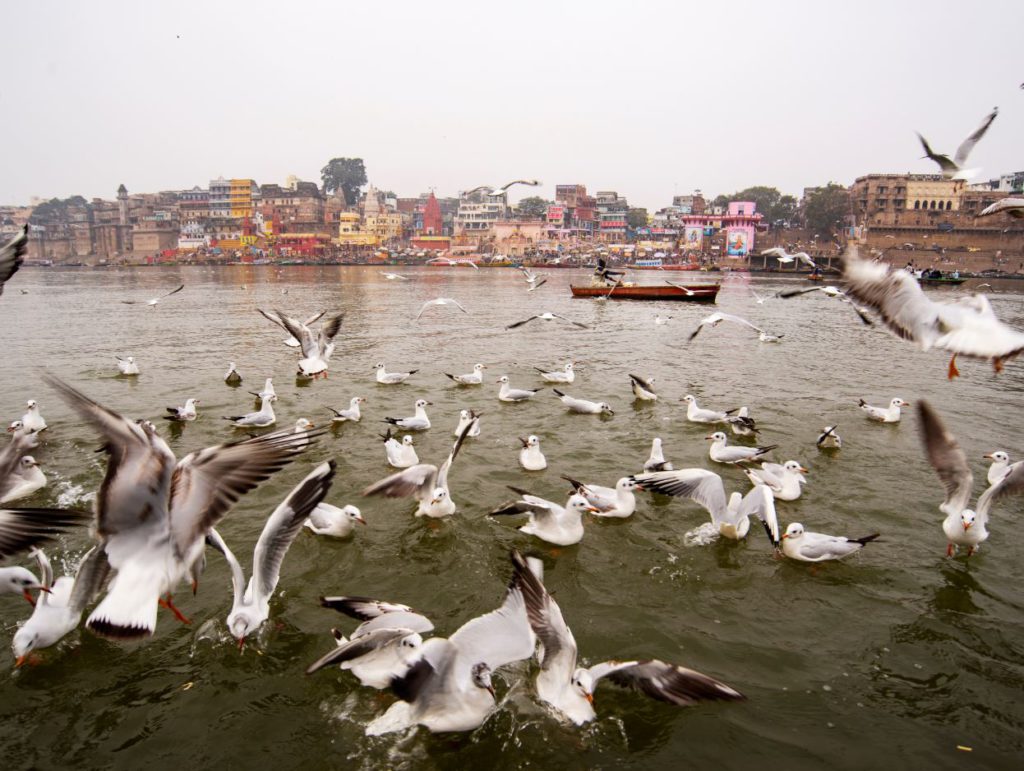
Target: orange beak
(987,455)
(785,535)
(241,643)
(31,600)
(967,525)
(20,660)
(589,697)
(804,471)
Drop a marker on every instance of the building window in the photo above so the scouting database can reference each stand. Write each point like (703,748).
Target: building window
(917,204)
(949,205)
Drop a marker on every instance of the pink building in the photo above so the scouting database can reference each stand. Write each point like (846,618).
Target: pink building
(739,223)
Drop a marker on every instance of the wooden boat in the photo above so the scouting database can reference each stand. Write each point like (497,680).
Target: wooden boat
(943,281)
(701,293)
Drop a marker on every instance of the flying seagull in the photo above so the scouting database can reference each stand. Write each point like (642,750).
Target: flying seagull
(12,255)
(154,300)
(545,317)
(1012,206)
(953,169)
(439,301)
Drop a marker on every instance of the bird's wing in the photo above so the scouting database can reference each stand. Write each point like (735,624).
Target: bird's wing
(272,316)
(644,384)
(539,509)
(563,318)
(1010,205)
(1011,483)
(537,285)
(284,524)
(520,323)
(946,457)
(213,538)
(173,291)
(45,573)
(12,255)
(665,682)
(739,320)
(895,295)
(458,305)
(943,160)
(207,483)
(760,502)
(302,333)
(558,644)
(699,485)
(314,318)
(960,157)
(328,330)
(365,608)
(92,573)
(426,305)
(794,292)
(442,474)
(359,646)
(418,481)
(21,529)
(776,251)
(826,434)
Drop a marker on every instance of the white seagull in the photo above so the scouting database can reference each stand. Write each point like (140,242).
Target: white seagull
(643,388)
(722,454)
(786,480)
(530,456)
(153,511)
(439,301)
(785,258)
(730,517)
(399,454)
(805,546)
(741,423)
(392,378)
(953,169)
(965,326)
(291,342)
(560,525)
(569,689)
(656,460)
(509,394)
(583,406)
(32,420)
(476,377)
(326,519)
(618,501)
(268,390)
(696,414)
(262,418)
(565,375)
(718,317)
(127,366)
(418,421)
(316,349)
(890,414)
(12,255)
(183,414)
(395,277)
(1000,465)
(546,317)
(1012,206)
(251,605)
(25,479)
(155,300)
(381,648)
(352,414)
(427,483)
(465,418)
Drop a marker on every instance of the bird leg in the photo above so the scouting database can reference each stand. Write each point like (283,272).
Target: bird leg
(971,550)
(949,550)
(169,604)
(997,365)
(953,371)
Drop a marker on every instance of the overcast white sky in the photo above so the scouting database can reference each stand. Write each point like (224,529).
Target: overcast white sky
(646,98)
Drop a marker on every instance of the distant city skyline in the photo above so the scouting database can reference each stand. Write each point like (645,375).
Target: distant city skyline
(651,100)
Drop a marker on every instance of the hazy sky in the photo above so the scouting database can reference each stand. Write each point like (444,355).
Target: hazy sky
(646,98)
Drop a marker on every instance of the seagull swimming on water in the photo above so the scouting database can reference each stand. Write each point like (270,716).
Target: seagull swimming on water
(476,377)
(32,420)
(696,414)
(656,460)
(392,378)
(720,453)
(231,377)
(399,454)
(352,414)
(828,439)
(127,366)
(262,418)
(953,169)
(509,394)
(643,388)
(559,525)
(183,414)
(890,414)
(329,520)
(418,421)
(583,406)
(804,546)
(565,375)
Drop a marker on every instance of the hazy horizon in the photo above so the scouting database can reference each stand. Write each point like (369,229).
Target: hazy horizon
(651,99)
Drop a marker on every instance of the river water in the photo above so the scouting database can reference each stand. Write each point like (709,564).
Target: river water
(892,658)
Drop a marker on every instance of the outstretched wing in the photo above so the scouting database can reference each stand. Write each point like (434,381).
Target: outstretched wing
(699,485)
(665,682)
(418,481)
(12,255)
(173,291)
(946,457)
(944,162)
(520,323)
(563,318)
(21,529)
(442,474)
(558,646)
(329,329)
(760,502)
(1011,483)
(968,144)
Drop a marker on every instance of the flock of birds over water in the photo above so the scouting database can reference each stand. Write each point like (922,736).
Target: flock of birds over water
(156,515)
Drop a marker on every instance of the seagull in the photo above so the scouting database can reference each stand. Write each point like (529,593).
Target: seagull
(60,605)
(696,414)
(232,377)
(527,182)
(399,454)
(381,648)
(569,689)
(786,481)
(449,688)
(1000,466)
(153,511)
(531,277)
(1012,206)
(785,258)
(741,423)
(260,419)
(758,298)
(643,389)
(584,406)
(890,414)
(22,481)
(127,366)
(22,439)
(716,318)
(12,256)
(829,439)
(953,169)
(417,422)
(326,519)
(22,529)
(829,291)
(618,501)
(316,350)
(426,482)
(439,301)
(722,454)
(395,277)
(656,461)
(530,457)
(966,325)
(352,414)
(962,526)
(155,300)
(251,605)
(546,317)
(465,418)
(291,342)
(268,390)
(183,414)
(32,420)
(661,320)
(730,518)
(476,377)
(538,285)
(509,394)
(805,546)
(560,525)
(564,375)
(392,378)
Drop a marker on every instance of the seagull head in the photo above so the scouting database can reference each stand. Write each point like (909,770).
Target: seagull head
(242,625)
(356,400)
(20,581)
(17,425)
(583,683)
(482,678)
(606,409)
(379,365)
(24,642)
(28,461)
(304,424)
(627,484)
(478,367)
(502,379)
(718,436)
(578,503)
(967,519)
(794,467)
(897,402)
(795,530)
(440,494)
(998,456)
(31,404)
(689,399)
(354,514)
(411,642)
(421,403)
(407,441)
(531,441)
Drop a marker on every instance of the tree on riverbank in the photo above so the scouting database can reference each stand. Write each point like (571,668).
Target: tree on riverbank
(827,209)
(346,175)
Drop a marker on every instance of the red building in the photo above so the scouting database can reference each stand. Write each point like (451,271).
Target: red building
(433,222)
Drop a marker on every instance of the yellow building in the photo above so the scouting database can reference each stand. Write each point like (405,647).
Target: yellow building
(241,196)
(935,193)
(352,233)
